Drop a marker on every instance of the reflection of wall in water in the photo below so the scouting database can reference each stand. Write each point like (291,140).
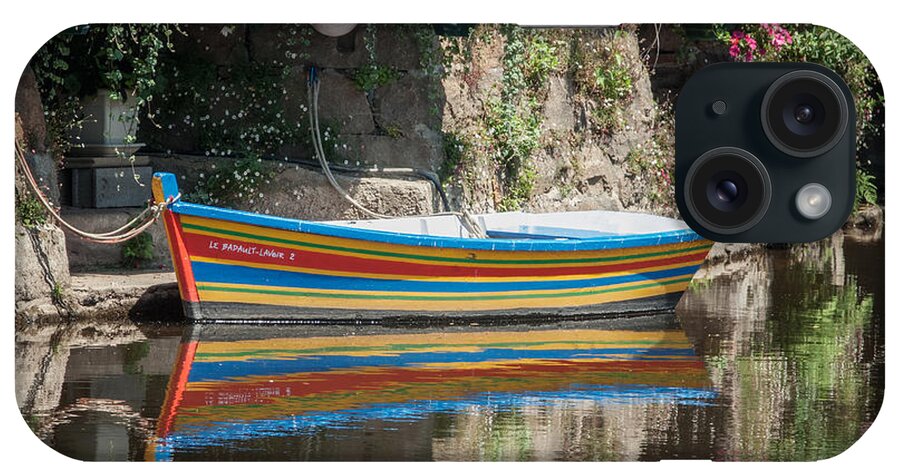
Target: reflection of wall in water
(91,378)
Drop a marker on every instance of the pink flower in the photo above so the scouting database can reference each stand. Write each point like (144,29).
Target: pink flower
(748,56)
(734,51)
(751,43)
(737,35)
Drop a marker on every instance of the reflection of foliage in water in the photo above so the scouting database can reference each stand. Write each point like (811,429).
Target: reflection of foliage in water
(814,393)
(509,437)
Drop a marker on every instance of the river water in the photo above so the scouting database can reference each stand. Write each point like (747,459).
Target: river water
(779,356)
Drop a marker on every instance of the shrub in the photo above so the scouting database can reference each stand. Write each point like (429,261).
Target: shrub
(137,250)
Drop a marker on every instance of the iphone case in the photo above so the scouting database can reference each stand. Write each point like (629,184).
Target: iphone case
(543,301)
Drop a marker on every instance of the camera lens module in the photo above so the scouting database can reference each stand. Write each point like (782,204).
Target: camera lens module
(728,190)
(804,113)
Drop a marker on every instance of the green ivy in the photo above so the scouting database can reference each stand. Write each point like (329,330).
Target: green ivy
(512,123)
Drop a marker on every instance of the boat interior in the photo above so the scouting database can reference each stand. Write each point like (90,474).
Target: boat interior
(525,226)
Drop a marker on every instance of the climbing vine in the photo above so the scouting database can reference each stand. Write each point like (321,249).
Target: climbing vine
(512,121)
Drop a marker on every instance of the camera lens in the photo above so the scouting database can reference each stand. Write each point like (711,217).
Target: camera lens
(727,190)
(804,113)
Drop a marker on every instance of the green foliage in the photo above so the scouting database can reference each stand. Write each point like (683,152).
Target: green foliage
(30,212)
(233,184)
(604,73)
(540,58)
(137,250)
(514,134)
(433,62)
(512,123)
(56,294)
(371,76)
(236,110)
(866,191)
(123,58)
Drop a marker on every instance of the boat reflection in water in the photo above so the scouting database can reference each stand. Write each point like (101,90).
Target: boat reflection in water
(234,384)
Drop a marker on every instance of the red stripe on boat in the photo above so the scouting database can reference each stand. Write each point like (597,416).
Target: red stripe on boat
(236,250)
(180,257)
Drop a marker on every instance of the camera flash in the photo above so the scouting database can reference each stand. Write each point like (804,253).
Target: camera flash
(813,201)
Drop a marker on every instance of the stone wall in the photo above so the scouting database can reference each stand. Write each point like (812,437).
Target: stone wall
(391,125)
(404,122)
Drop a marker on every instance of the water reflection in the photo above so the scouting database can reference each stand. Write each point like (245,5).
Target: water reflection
(226,392)
(780,356)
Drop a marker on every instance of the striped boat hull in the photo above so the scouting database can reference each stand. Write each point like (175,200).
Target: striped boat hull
(235,265)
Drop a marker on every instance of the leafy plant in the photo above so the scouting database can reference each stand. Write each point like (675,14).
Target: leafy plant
(137,250)
(30,212)
(123,58)
(540,59)
(57,292)
(371,76)
(866,190)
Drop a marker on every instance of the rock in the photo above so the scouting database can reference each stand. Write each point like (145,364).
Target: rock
(297,192)
(42,267)
(866,223)
(344,52)
(31,112)
(407,103)
(341,102)
(396,46)
(214,43)
(31,131)
(83,254)
(384,151)
(558,109)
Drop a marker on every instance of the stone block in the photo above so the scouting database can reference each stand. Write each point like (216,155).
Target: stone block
(41,262)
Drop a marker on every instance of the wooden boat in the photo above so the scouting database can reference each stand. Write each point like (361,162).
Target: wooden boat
(237,265)
(233,386)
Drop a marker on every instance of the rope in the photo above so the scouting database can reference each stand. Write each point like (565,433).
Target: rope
(134,227)
(312,91)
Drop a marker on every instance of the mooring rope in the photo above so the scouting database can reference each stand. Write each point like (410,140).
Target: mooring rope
(133,228)
(312,92)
